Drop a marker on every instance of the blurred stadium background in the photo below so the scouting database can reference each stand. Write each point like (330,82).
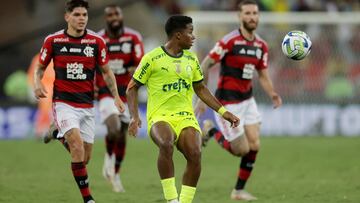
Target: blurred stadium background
(320,94)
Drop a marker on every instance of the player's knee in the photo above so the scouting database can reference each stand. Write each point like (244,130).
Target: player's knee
(87,159)
(254,145)
(193,154)
(113,132)
(240,150)
(76,147)
(166,148)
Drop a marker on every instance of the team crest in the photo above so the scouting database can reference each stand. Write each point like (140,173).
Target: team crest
(89,51)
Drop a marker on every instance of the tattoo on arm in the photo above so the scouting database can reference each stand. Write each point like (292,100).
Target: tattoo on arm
(111,83)
(39,73)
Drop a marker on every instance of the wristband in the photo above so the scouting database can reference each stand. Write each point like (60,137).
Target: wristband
(222,110)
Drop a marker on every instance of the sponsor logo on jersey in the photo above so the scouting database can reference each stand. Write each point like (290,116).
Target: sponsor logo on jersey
(188,57)
(89,51)
(239,42)
(64,49)
(177,86)
(158,56)
(248,71)
(257,44)
(114,48)
(61,39)
(250,52)
(75,50)
(242,51)
(123,39)
(75,71)
(43,54)
(88,41)
(143,70)
(126,48)
(165,69)
(103,55)
(117,66)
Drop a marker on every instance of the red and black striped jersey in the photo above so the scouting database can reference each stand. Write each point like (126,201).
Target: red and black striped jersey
(124,51)
(239,59)
(75,59)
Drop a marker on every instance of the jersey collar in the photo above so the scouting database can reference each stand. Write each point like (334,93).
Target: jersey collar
(167,53)
(65,33)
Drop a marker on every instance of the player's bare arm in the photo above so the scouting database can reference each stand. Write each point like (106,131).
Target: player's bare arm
(39,90)
(110,81)
(267,85)
(131,70)
(206,64)
(132,97)
(204,94)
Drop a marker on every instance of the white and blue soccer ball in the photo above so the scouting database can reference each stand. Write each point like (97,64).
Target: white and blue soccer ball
(296,45)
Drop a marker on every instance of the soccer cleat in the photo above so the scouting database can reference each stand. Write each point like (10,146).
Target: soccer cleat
(174,201)
(242,195)
(108,170)
(116,183)
(207,126)
(50,133)
(91,201)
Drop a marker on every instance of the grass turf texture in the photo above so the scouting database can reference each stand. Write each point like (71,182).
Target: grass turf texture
(301,169)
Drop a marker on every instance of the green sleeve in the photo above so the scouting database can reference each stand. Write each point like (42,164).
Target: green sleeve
(197,74)
(143,71)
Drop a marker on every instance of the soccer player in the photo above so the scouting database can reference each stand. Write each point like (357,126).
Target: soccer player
(241,53)
(75,52)
(172,74)
(125,50)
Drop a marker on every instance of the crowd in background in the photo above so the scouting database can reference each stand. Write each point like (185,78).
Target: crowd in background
(330,73)
(265,5)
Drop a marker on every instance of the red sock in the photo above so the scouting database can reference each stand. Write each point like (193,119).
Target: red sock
(81,178)
(219,137)
(109,144)
(119,153)
(246,166)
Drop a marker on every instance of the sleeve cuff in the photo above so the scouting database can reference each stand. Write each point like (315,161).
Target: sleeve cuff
(198,81)
(138,82)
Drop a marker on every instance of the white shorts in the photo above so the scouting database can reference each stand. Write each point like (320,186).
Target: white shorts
(68,117)
(248,113)
(107,108)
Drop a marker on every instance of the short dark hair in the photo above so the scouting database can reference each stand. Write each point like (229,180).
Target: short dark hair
(176,23)
(71,4)
(246,2)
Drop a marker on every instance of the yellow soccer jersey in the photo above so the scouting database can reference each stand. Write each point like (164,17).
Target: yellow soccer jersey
(169,81)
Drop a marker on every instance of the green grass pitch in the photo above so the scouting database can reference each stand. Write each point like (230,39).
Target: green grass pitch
(288,170)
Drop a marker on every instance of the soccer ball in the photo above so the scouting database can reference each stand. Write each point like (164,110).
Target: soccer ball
(296,45)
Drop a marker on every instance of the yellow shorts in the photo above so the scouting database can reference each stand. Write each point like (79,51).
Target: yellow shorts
(177,121)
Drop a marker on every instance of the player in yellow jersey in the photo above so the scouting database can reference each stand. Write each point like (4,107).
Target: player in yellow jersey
(172,74)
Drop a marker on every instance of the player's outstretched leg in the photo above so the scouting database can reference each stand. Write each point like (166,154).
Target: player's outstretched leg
(247,163)
(112,123)
(78,166)
(163,136)
(210,131)
(52,135)
(189,144)
(119,151)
